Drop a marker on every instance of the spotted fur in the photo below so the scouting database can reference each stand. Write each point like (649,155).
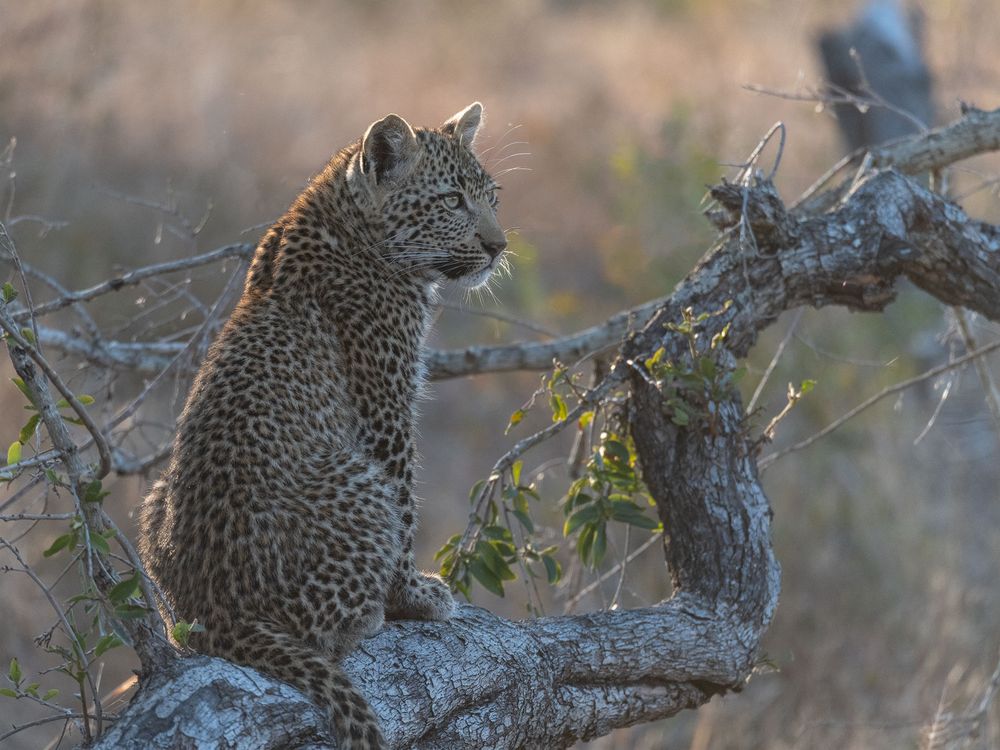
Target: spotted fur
(284,522)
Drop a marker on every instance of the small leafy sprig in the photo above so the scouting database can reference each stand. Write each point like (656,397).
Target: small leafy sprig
(494,553)
(609,490)
(22,689)
(503,534)
(693,388)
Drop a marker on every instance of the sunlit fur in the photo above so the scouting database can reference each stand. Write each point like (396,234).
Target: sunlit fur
(285,520)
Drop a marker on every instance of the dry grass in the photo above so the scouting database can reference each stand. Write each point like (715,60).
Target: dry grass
(891,551)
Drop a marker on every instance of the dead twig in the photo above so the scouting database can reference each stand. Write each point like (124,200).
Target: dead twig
(769,459)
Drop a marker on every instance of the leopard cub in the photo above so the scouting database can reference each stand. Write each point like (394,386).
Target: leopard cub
(284,522)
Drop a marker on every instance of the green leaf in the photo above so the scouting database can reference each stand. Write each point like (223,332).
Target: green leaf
(50,694)
(585,543)
(616,451)
(655,359)
(585,419)
(182,631)
(680,417)
(600,545)
(28,335)
(83,399)
(23,389)
(707,367)
(559,410)
(99,543)
(485,577)
(65,540)
(29,429)
(494,561)
(448,563)
(93,493)
(525,520)
(577,500)
(32,690)
(587,514)
(630,513)
(476,489)
(14,673)
(8,693)
(515,473)
(131,611)
(553,570)
(107,643)
(448,546)
(804,388)
(124,590)
(493,531)
(9,292)
(14,453)
(515,419)
(720,336)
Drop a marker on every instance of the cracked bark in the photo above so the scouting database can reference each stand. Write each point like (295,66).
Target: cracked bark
(480,681)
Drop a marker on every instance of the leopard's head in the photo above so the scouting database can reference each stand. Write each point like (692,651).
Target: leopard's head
(434,203)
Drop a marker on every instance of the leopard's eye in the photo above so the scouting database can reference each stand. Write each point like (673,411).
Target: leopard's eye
(494,198)
(452,200)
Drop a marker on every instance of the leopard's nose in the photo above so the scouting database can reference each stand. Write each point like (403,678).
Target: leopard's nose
(494,248)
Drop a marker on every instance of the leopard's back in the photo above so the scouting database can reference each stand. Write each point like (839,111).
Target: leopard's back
(284,522)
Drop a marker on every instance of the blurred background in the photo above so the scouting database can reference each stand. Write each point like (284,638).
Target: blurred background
(611,117)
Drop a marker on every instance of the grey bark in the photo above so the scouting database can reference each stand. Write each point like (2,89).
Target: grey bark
(479,681)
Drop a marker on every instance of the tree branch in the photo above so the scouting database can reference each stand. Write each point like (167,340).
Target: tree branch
(976,132)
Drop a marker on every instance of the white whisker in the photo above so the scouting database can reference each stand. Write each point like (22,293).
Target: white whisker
(499,142)
(514,169)
(511,156)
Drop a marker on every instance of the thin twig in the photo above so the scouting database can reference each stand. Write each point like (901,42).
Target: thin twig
(774,360)
(571,604)
(766,461)
(501,316)
(98,437)
(68,716)
(945,392)
(8,241)
(838,95)
(38,517)
(61,614)
(985,376)
(235,250)
(624,568)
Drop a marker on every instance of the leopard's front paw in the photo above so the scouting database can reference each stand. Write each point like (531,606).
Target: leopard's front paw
(440,602)
(421,596)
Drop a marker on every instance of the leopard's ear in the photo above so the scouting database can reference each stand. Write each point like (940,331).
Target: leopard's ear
(463,125)
(389,149)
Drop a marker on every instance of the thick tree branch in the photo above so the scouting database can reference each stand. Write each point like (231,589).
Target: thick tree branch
(976,132)
(477,681)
